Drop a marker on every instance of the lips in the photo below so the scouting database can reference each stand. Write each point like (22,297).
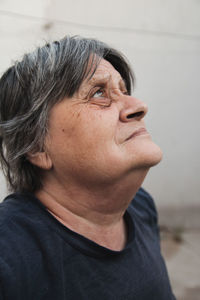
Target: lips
(140,131)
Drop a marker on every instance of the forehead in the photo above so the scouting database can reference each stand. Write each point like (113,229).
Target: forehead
(105,71)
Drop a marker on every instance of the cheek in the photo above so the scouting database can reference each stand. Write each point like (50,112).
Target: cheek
(65,126)
(92,127)
(83,133)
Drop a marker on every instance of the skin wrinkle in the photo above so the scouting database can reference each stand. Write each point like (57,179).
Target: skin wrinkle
(96,171)
(29,90)
(97,81)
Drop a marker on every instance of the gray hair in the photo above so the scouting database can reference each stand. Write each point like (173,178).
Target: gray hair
(30,88)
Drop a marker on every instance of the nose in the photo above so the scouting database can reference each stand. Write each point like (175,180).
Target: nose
(132,109)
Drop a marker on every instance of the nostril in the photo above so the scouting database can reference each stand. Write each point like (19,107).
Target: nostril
(135,115)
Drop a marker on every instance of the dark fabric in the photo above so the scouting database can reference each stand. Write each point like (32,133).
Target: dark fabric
(42,259)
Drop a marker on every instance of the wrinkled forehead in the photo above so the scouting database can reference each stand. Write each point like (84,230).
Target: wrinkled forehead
(92,66)
(105,73)
(100,69)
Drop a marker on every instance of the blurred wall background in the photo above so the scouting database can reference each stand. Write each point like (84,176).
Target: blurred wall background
(162,41)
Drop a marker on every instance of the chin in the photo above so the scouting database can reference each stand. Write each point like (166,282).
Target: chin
(144,154)
(151,157)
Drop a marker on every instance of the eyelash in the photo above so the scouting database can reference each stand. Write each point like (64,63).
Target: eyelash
(103,101)
(101,90)
(97,91)
(108,101)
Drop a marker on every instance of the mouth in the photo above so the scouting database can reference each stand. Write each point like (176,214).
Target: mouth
(140,131)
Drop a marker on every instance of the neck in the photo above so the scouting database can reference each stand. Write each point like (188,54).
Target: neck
(94,212)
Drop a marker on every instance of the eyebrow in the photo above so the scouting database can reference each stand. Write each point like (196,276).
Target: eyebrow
(96,79)
(99,80)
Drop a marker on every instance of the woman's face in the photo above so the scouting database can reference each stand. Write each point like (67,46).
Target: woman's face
(99,134)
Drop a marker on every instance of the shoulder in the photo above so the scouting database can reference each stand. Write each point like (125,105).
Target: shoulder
(23,219)
(21,225)
(24,237)
(16,212)
(13,226)
(10,210)
(144,207)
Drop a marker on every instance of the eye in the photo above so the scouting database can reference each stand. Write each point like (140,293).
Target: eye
(99,97)
(98,93)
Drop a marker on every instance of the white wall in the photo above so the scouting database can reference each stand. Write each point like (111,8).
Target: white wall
(162,41)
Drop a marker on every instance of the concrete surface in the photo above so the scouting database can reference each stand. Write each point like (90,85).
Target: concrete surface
(161,39)
(181,250)
(176,216)
(162,42)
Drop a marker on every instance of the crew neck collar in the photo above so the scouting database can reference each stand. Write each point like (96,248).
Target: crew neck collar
(80,242)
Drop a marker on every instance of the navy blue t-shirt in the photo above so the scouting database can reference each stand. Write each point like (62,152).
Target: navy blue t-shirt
(42,259)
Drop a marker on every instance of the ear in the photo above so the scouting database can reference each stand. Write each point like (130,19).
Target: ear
(40,159)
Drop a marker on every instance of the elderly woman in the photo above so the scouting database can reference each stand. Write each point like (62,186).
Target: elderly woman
(75,151)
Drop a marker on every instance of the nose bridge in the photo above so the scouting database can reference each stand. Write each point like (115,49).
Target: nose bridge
(133,102)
